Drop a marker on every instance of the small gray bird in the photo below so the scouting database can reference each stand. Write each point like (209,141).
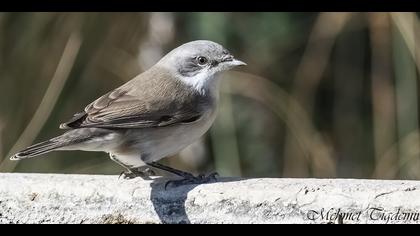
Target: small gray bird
(154,115)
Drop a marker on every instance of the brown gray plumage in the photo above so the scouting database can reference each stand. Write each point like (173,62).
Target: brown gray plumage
(152,116)
(129,106)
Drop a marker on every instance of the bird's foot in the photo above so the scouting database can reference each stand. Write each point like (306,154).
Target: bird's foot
(191,179)
(134,173)
(127,175)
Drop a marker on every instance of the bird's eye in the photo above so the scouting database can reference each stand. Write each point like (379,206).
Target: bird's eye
(202,60)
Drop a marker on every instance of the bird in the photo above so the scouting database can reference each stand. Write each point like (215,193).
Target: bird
(155,115)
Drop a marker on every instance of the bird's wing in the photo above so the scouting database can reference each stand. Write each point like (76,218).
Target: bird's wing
(127,107)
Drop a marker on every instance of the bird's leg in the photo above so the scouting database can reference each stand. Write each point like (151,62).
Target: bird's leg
(188,178)
(131,173)
(170,170)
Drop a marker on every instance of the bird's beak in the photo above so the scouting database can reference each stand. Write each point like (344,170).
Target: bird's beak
(230,61)
(236,62)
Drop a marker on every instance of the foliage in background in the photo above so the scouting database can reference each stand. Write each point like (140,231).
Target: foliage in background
(323,95)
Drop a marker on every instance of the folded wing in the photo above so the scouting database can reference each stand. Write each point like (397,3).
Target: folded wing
(132,106)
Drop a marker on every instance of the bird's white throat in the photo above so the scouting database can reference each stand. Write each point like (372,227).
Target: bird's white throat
(203,82)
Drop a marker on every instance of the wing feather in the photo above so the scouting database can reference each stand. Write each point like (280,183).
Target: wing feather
(131,106)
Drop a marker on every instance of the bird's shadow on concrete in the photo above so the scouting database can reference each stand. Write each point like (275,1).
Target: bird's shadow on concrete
(169,203)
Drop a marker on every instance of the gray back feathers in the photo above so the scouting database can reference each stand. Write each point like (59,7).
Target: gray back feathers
(165,101)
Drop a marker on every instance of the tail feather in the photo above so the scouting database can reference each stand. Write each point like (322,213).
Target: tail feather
(65,141)
(38,149)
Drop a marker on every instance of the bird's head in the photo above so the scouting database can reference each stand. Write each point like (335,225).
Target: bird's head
(198,63)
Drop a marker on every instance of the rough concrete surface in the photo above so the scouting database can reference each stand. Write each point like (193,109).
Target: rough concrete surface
(50,198)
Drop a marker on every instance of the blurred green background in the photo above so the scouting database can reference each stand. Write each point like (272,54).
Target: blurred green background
(323,95)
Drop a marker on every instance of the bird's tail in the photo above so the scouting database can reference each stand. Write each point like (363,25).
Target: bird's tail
(37,149)
(63,142)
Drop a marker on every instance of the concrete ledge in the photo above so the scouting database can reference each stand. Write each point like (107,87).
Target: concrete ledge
(44,198)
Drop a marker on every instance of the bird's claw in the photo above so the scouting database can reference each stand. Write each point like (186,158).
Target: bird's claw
(131,174)
(149,172)
(191,179)
(128,175)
